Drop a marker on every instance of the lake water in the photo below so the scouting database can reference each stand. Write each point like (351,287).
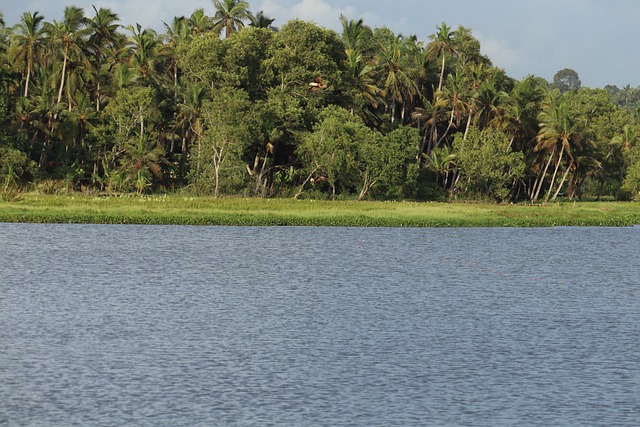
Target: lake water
(202,326)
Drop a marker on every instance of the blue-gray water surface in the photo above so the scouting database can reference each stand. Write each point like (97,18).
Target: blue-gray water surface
(200,326)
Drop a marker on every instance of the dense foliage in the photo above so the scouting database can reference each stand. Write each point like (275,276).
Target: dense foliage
(228,104)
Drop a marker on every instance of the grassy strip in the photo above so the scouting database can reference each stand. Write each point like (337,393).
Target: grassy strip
(270,212)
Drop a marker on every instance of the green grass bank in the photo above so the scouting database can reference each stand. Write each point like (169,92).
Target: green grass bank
(181,210)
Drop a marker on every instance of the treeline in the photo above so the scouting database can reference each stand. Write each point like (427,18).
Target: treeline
(228,104)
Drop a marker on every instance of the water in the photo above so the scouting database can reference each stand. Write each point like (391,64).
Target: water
(200,326)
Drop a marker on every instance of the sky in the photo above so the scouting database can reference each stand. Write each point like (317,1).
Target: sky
(596,38)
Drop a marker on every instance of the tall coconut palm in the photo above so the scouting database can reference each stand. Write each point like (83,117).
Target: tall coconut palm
(441,45)
(199,23)
(561,132)
(398,69)
(175,34)
(27,45)
(190,116)
(103,38)
(451,96)
(230,15)
(70,34)
(355,34)
(519,120)
(143,43)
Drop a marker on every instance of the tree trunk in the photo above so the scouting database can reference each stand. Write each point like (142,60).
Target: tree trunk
(555,173)
(26,85)
(445,132)
(544,173)
(366,186)
(466,130)
(301,190)
(64,72)
(564,177)
(441,73)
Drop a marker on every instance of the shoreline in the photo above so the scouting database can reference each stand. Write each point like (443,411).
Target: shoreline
(205,211)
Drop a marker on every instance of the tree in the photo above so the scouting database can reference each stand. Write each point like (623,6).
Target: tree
(102,40)
(134,112)
(230,15)
(487,164)
(566,79)
(441,45)
(561,133)
(387,164)
(70,34)
(143,43)
(330,151)
(26,45)
(228,130)
(398,66)
(260,20)
(142,160)
(199,23)
(175,34)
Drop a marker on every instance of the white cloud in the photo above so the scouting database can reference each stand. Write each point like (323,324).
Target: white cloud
(499,52)
(321,13)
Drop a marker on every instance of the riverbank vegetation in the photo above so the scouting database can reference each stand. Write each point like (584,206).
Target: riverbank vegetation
(224,103)
(187,210)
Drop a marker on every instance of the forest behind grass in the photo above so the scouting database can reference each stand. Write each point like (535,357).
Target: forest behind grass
(226,102)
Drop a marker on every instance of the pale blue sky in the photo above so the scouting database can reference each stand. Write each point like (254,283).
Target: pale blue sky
(597,38)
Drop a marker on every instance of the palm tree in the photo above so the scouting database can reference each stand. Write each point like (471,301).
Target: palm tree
(190,118)
(260,20)
(560,132)
(143,159)
(70,34)
(442,162)
(143,43)
(441,45)
(26,45)
(522,106)
(199,23)
(355,34)
(103,27)
(124,76)
(176,34)
(230,15)
(399,71)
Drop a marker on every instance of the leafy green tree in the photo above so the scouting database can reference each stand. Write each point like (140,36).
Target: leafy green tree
(217,164)
(387,164)
(330,152)
(244,57)
(566,79)
(631,183)
(202,60)
(134,112)
(488,166)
